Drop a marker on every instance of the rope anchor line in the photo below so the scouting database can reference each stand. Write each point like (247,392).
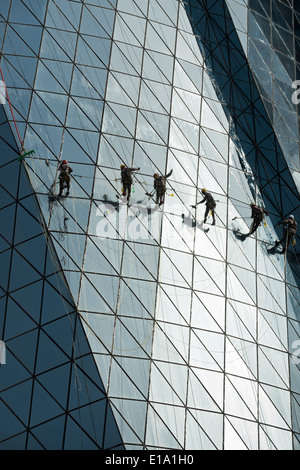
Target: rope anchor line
(23,153)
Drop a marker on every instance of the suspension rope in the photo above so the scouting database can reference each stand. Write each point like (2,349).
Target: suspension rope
(12,113)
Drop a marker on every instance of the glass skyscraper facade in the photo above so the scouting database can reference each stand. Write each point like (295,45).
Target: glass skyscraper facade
(138,327)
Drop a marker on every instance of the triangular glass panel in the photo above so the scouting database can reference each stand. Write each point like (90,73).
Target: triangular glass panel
(95,80)
(13,424)
(13,399)
(21,372)
(247,430)
(26,68)
(47,82)
(92,420)
(43,406)
(14,42)
(72,147)
(92,109)
(152,157)
(112,437)
(23,348)
(7,222)
(123,89)
(232,440)
(57,19)
(97,47)
(40,113)
(107,286)
(176,375)
(87,140)
(105,16)
(157,432)
(184,136)
(272,330)
(45,140)
(83,389)
(75,439)
(161,391)
(268,413)
(133,336)
(121,384)
(61,70)
(55,302)
(90,298)
(185,106)
(174,419)
(235,404)
(209,118)
(241,358)
(27,227)
(268,373)
(204,276)
(113,125)
(241,321)
(272,438)
(201,317)
(122,61)
(16,321)
(154,41)
(128,432)
(198,438)
(50,435)
(138,370)
(21,272)
(161,66)
(51,50)
(29,298)
(49,354)
(235,289)
(166,310)
(133,29)
(281,399)
(94,259)
(183,80)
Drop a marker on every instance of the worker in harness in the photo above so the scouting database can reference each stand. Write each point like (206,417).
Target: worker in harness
(210,205)
(64,177)
(290,229)
(257,214)
(126,178)
(160,186)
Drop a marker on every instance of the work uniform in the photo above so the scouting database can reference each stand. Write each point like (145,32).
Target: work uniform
(160,187)
(257,214)
(64,177)
(289,233)
(210,206)
(126,178)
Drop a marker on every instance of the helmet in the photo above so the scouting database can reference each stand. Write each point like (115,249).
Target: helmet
(122,166)
(65,162)
(203,190)
(291,217)
(156,175)
(252,204)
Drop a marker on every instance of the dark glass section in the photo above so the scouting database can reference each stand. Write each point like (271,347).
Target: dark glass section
(51,394)
(250,121)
